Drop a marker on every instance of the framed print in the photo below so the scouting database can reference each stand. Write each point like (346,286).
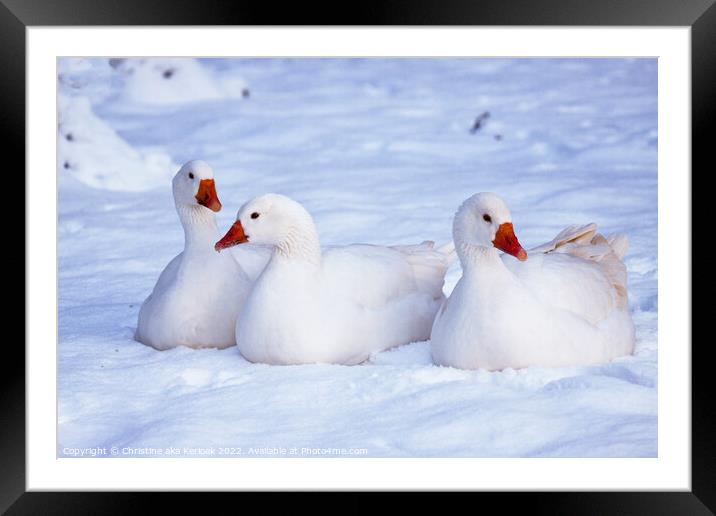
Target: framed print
(422,249)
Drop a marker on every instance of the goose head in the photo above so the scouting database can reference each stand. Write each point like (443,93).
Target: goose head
(194,185)
(484,220)
(270,220)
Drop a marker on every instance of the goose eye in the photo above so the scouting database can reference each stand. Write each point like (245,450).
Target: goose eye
(254,215)
(486,218)
(191,176)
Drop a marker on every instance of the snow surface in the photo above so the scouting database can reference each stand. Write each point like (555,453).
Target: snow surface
(379,151)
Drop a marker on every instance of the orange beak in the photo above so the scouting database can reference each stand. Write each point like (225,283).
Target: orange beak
(234,236)
(206,196)
(505,240)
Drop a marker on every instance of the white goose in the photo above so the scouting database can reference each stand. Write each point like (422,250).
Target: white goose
(200,293)
(565,305)
(336,306)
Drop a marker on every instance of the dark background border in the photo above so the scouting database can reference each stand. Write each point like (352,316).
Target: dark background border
(16,15)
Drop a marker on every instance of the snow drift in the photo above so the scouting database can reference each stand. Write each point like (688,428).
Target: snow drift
(173,80)
(93,153)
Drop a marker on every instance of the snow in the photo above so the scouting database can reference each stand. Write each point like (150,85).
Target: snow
(92,152)
(173,80)
(379,151)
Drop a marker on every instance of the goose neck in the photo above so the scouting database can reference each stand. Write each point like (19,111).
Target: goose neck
(479,259)
(200,230)
(301,243)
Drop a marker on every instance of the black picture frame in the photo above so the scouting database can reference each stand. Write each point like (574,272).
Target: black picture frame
(700,15)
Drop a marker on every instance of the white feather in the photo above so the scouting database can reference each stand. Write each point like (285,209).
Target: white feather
(333,306)
(565,305)
(199,294)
